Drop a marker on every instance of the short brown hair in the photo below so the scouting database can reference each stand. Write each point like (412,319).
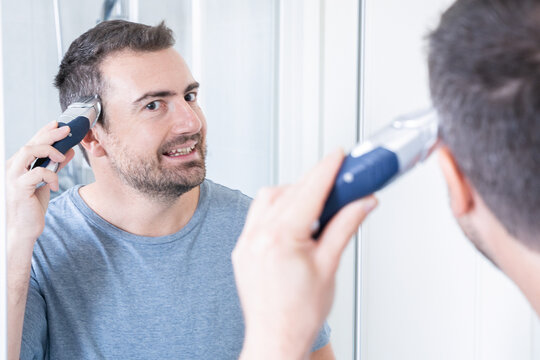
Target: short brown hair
(484,68)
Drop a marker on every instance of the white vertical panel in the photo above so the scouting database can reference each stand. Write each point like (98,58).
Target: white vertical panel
(427,294)
(317,113)
(339,128)
(3,265)
(238,79)
(359,243)
(133,14)
(299,88)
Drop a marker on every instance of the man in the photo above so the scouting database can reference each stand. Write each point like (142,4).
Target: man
(484,66)
(137,264)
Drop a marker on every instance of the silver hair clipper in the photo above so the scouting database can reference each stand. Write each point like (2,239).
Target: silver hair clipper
(381,159)
(80,116)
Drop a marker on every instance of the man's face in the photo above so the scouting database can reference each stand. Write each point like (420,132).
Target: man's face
(156,134)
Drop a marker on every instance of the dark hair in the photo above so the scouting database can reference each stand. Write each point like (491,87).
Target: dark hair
(484,68)
(79,73)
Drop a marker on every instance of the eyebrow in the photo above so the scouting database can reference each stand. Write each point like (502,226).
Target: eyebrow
(192,86)
(166,93)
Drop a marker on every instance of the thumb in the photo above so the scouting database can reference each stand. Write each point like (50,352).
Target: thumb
(340,230)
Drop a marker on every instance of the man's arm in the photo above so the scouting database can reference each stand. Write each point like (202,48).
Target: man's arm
(26,207)
(285,279)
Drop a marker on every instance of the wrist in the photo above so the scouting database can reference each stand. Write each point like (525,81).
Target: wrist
(19,252)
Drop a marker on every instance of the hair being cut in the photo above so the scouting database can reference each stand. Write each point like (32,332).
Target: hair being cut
(79,73)
(484,68)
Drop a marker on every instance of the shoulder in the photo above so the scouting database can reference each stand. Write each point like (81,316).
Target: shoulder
(64,224)
(225,209)
(222,197)
(63,204)
(66,219)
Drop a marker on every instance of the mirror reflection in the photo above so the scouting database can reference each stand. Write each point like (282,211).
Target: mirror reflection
(168,117)
(133,258)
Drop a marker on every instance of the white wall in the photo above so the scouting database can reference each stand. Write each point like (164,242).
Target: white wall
(426,293)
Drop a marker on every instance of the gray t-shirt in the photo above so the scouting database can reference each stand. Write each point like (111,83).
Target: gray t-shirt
(98,292)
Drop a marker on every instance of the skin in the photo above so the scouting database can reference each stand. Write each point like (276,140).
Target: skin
(136,140)
(283,315)
(285,279)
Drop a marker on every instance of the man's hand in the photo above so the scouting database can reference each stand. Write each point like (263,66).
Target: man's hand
(26,207)
(286,279)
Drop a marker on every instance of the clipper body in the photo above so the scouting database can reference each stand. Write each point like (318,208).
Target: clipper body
(381,159)
(80,116)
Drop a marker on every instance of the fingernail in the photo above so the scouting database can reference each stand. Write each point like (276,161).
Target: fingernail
(370,204)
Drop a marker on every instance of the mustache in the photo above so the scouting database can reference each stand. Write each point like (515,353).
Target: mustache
(181,140)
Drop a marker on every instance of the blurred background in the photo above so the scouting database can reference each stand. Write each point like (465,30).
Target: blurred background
(284,82)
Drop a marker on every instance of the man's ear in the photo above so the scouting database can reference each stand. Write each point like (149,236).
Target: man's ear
(92,144)
(460,191)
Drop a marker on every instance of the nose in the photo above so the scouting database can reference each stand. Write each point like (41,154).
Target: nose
(185,119)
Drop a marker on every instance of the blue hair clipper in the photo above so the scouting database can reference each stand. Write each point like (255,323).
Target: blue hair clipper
(80,116)
(381,159)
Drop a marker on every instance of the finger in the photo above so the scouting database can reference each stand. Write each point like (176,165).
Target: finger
(307,199)
(31,179)
(68,157)
(50,126)
(339,231)
(261,206)
(49,134)
(26,156)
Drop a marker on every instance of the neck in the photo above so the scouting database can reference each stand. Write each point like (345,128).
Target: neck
(137,213)
(522,265)
(519,263)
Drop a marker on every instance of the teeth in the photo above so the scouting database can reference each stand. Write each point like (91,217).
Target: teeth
(181,151)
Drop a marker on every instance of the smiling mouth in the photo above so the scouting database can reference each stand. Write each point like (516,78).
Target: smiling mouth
(181,151)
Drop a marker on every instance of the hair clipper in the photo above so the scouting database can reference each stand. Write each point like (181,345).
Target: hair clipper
(381,159)
(80,116)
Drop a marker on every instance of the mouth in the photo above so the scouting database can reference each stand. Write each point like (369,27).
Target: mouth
(181,151)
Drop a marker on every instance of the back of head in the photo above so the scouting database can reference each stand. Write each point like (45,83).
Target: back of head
(79,73)
(484,65)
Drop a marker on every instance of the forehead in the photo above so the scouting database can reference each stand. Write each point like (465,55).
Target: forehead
(132,73)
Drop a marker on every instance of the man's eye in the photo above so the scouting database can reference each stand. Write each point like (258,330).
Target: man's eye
(190,97)
(154,105)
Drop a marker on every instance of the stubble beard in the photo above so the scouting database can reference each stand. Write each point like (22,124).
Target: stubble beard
(149,177)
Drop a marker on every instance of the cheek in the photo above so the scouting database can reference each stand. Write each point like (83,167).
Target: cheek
(134,141)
